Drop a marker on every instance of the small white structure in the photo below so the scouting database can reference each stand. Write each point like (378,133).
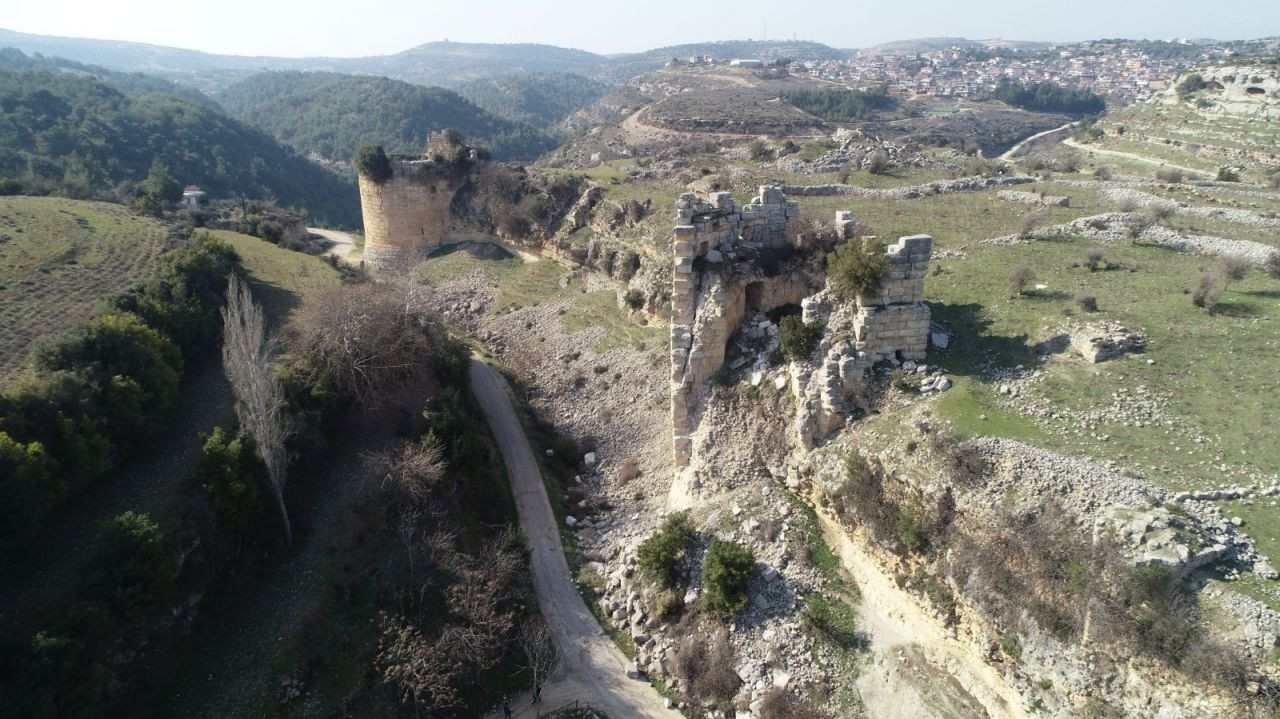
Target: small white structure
(191,197)
(745,63)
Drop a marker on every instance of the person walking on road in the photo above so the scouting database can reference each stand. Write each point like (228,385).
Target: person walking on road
(506,709)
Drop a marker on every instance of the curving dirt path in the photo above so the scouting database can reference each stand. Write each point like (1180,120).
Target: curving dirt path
(591,669)
(1008,154)
(1130,156)
(342,245)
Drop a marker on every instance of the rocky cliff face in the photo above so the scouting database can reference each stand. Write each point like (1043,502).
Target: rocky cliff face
(1248,90)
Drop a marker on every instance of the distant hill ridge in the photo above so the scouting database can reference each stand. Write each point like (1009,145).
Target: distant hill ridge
(443,63)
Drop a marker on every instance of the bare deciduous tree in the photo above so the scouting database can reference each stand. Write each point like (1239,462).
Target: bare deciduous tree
(368,336)
(411,470)
(260,405)
(538,649)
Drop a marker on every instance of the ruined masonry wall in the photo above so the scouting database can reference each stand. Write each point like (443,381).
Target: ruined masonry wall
(894,320)
(405,217)
(704,310)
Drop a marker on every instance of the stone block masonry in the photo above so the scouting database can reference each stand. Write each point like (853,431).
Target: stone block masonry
(405,217)
(715,284)
(705,308)
(893,322)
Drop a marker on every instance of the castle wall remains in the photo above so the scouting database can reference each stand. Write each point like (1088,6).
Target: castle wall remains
(713,291)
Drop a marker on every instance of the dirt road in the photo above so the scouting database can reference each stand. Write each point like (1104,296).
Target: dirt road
(1008,155)
(342,245)
(1129,155)
(591,668)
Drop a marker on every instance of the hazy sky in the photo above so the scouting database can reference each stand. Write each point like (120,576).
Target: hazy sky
(370,27)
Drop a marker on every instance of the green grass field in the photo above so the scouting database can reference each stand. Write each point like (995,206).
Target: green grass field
(280,278)
(59,260)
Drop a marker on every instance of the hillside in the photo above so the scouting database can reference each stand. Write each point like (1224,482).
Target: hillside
(80,136)
(537,99)
(1215,117)
(332,115)
(14,59)
(434,63)
(59,259)
(621,68)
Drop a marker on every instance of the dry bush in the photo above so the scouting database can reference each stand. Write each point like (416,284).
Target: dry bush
(965,463)
(779,704)
(704,664)
(1162,210)
(629,471)
(411,471)
(1093,259)
(1128,204)
(1088,303)
(1019,279)
(1272,265)
(366,337)
(877,162)
(1207,293)
(1137,223)
(1102,173)
(1234,268)
(1031,222)
(1169,175)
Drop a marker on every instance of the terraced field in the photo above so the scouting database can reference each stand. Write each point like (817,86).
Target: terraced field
(59,259)
(1183,136)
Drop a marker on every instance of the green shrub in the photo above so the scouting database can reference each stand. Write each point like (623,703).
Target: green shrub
(129,371)
(634,299)
(137,571)
(233,475)
(857,267)
(1190,85)
(830,621)
(911,528)
(1011,646)
(373,163)
(1228,174)
(183,299)
(798,339)
(725,571)
(659,555)
(29,485)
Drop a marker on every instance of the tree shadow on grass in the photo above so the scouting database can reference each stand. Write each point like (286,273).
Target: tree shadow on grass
(973,347)
(1236,309)
(1268,294)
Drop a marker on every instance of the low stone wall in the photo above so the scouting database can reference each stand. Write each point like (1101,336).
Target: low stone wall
(941,187)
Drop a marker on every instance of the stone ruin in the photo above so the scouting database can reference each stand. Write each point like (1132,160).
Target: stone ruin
(716,284)
(407,215)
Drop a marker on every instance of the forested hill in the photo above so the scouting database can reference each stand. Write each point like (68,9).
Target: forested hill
(541,99)
(333,115)
(14,59)
(78,135)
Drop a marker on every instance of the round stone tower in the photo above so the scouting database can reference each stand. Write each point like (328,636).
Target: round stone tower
(406,214)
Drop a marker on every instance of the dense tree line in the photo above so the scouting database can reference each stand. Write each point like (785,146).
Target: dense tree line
(537,99)
(334,115)
(1050,97)
(82,137)
(843,105)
